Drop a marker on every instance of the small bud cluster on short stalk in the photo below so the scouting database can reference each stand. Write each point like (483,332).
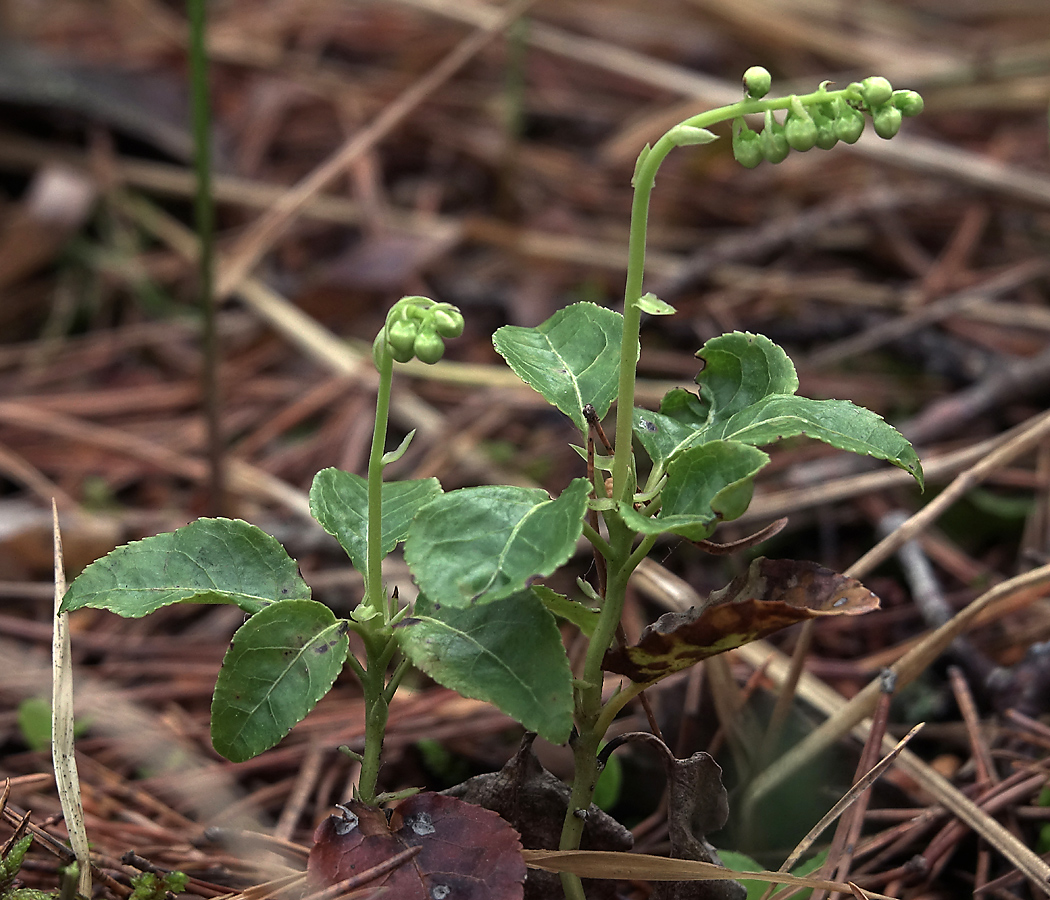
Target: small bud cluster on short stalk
(418,327)
(821,119)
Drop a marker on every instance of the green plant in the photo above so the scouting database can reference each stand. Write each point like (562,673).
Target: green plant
(477,552)
(154,886)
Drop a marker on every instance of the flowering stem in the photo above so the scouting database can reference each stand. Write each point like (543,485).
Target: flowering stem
(374,554)
(644,180)
(592,719)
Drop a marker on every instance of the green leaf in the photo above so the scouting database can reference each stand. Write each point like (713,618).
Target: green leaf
(741,368)
(481,544)
(509,654)
(281,662)
(583,617)
(654,306)
(392,456)
(689,135)
(339,501)
(741,862)
(662,434)
(34,722)
(207,561)
(747,394)
(572,359)
(706,485)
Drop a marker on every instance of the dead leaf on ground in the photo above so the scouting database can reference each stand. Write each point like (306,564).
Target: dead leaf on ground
(697,804)
(466,852)
(534,801)
(772,594)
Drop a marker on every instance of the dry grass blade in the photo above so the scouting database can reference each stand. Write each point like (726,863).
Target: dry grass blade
(848,714)
(609,864)
(65,762)
(269,889)
(244,478)
(848,799)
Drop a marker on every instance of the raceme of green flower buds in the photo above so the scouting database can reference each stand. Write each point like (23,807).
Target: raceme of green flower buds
(757,82)
(416,327)
(818,122)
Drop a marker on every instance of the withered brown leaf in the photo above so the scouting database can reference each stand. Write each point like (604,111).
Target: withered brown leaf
(534,801)
(772,594)
(466,852)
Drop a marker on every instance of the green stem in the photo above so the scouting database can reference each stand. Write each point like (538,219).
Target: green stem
(592,720)
(374,556)
(640,553)
(596,540)
(589,698)
(376,712)
(380,645)
(644,179)
(616,703)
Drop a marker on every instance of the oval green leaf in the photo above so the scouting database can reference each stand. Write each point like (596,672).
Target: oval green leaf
(481,544)
(509,654)
(207,561)
(741,368)
(561,607)
(281,662)
(572,359)
(747,394)
(339,501)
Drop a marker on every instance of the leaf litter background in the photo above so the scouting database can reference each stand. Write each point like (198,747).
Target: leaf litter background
(908,276)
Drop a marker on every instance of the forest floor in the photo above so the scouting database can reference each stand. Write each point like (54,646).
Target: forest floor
(909,276)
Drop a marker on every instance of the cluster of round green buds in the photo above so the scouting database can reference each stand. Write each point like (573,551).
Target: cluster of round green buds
(887,107)
(819,122)
(418,327)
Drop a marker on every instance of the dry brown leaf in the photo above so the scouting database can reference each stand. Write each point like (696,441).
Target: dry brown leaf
(771,595)
(465,850)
